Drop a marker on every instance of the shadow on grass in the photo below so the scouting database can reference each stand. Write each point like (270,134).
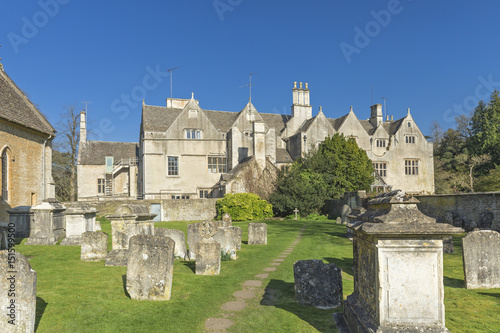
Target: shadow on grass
(281,294)
(453,283)
(190,264)
(40,309)
(244,242)
(497,295)
(124,280)
(345,264)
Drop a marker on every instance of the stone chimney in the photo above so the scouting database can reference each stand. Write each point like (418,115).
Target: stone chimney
(376,117)
(259,143)
(301,107)
(83,127)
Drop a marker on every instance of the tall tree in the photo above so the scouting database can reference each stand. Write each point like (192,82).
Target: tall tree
(67,144)
(485,130)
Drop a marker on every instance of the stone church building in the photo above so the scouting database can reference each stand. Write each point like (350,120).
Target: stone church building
(187,152)
(25,150)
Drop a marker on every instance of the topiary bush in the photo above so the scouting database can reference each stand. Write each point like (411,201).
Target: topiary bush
(243,207)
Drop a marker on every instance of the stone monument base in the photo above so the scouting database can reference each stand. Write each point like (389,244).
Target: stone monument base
(116,258)
(41,241)
(71,241)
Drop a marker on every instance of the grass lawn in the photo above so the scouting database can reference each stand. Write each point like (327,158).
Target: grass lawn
(76,296)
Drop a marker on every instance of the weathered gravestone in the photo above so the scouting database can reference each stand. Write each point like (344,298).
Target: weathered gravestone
(207,250)
(80,217)
(18,293)
(448,245)
(21,217)
(257,233)
(193,237)
(48,224)
(94,246)
(178,237)
(318,284)
(230,240)
(150,266)
(481,253)
(129,220)
(4,239)
(227,220)
(346,210)
(398,268)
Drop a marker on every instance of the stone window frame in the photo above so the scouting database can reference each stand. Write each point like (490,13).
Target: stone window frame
(411,166)
(173,166)
(215,165)
(193,133)
(101,186)
(6,158)
(381,143)
(381,168)
(410,139)
(203,193)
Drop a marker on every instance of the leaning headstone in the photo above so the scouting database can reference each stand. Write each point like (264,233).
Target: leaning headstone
(94,246)
(80,217)
(18,293)
(207,250)
(127,221)
(481,253)
(230,240)
(48,224)
(339,220)
(150,266)
(193,237)
(346,210)
(178,237)
(257,233)
(318,284)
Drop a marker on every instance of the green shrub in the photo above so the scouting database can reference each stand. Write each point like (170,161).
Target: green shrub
(316,217)
(243,207)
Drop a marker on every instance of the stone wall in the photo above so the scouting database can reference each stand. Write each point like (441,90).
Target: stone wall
(469,210)
(171,210)
(25,166)
(355,199)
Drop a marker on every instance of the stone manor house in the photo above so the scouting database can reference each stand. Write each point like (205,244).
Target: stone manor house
(187,152)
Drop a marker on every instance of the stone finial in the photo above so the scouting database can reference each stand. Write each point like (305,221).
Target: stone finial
(387,118)
(307,85)
(300,85)
(351,109)
(143,103)
(408,110)
(320,108)
(192,95)
(295,85)
(392,118)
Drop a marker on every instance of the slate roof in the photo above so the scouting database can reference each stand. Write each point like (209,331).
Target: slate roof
(17,108)
(282,156)
(94,152)
(160,118)
(367,126)
(336,122)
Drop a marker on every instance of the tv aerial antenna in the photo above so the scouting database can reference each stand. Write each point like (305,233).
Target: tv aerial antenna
(249,85)
(171,71)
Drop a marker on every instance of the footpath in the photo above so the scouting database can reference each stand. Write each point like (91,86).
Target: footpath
(251,289)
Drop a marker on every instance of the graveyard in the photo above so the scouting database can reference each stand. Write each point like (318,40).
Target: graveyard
(84,296)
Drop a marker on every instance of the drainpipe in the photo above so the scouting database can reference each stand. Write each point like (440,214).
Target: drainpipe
(44,181)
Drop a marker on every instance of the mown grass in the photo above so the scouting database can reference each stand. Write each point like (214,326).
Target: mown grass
(76,296)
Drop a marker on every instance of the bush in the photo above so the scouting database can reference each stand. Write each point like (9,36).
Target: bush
(243,207)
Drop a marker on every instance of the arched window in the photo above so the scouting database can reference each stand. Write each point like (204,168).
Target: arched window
(5,174)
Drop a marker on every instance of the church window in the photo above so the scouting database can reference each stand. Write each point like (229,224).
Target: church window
(173,165)
(410,139)
(193,134)
(381,143)
(217,164)
(411,167)
(101,185)
(5,175)
(380,168)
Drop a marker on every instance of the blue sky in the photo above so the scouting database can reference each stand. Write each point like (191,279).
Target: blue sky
(436,57)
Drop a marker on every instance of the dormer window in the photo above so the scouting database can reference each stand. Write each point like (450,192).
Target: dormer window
(380,142)
(410,139)
(193,134)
